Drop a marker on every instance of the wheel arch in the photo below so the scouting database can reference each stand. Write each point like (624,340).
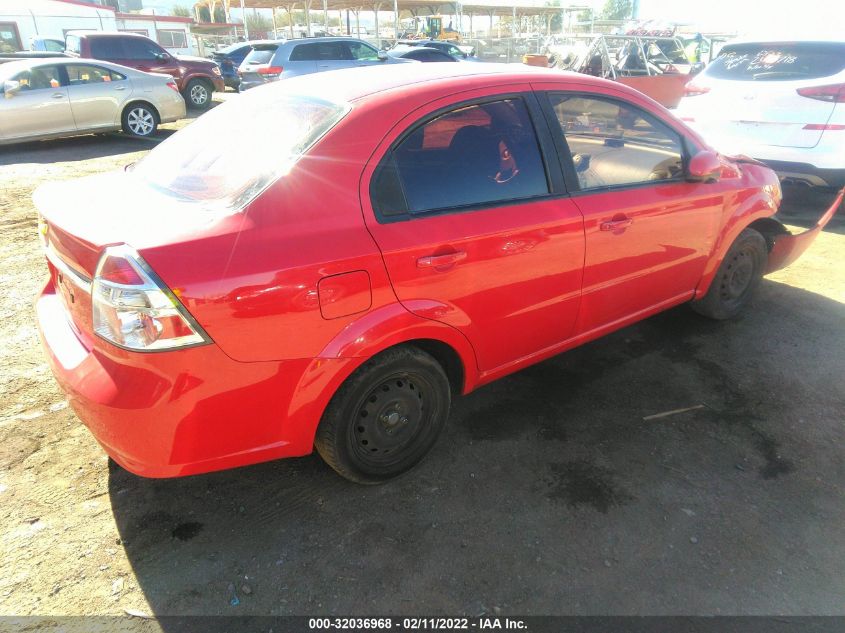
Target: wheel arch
(361,341)
(756,213)
(769,228)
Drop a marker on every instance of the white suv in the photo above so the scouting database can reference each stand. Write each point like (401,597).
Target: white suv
(779,102)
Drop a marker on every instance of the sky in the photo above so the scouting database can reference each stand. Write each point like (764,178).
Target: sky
(755,18)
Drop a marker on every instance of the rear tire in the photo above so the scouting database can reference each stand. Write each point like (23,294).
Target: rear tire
(386,417)
(738,276)
(140,120)
(198,94)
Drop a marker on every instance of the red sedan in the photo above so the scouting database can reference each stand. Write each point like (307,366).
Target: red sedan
(326,263)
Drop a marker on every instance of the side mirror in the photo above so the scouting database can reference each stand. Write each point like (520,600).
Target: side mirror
(382,56)
(162,57)
(696,68)
(11,88)
(704,167)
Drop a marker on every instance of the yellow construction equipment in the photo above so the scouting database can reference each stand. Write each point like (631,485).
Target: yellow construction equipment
(430,27)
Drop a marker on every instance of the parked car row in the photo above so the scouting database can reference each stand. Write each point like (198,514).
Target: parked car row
(245,65)
(781,102)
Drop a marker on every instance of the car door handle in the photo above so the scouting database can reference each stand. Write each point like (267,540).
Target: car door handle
(120,87)
(58,95)
(618,222)
(441,261)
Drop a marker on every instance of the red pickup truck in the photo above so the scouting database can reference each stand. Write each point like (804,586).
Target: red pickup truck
(196,78)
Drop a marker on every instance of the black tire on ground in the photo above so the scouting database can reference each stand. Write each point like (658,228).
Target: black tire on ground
(140,120)
(198,93)
(738,275)
(386,416)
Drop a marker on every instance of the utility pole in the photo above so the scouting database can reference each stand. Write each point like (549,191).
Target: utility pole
(243,16)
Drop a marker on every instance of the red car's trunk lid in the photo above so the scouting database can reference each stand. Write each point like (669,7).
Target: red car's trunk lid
(82,217)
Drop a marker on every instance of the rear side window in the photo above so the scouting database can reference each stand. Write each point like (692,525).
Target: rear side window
(141,49)
(305,53)
(261,54)
(477,154)
(614,143)
(790,61)
(79,74)
(429,56)
(106,48)
(320,51)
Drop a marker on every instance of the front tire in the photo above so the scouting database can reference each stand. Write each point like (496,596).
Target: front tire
(198,94)
(738,276)
(140,120)
(386,417)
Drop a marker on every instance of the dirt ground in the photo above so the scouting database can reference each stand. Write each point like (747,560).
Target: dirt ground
(551,492)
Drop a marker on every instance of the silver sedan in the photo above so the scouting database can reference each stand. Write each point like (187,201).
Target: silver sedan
(49,98)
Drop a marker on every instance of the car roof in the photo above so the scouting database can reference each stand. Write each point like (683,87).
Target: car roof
(311,40)
(353,84)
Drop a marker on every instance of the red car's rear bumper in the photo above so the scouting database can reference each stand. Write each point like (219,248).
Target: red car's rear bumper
(188,411)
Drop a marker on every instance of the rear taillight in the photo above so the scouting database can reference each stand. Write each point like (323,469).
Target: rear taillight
(133,309)
(834,93)
(271,71)
(691,90)
(172,85)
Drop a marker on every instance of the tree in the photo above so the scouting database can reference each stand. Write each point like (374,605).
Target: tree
(258,23)
(617,9)
(181,11)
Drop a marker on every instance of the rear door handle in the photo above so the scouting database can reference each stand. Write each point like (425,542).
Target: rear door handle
(618,222)
(58,95)
(120,87)
(441,261)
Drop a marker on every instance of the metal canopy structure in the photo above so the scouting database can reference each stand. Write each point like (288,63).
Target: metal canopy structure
(514,9)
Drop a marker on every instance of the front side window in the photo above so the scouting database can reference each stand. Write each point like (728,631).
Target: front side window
(454,51)
(362,52)
(485,153)
(614,143)
(79,74)
(40,78)
(141,49)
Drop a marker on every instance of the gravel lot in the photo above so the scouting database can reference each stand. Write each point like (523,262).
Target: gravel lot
(550,493)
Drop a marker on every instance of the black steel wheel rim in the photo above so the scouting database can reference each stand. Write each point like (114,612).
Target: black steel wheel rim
(389,419)
(738,275)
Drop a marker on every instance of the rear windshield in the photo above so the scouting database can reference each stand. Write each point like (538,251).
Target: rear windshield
(261,54)
(229,155)
(785,61)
